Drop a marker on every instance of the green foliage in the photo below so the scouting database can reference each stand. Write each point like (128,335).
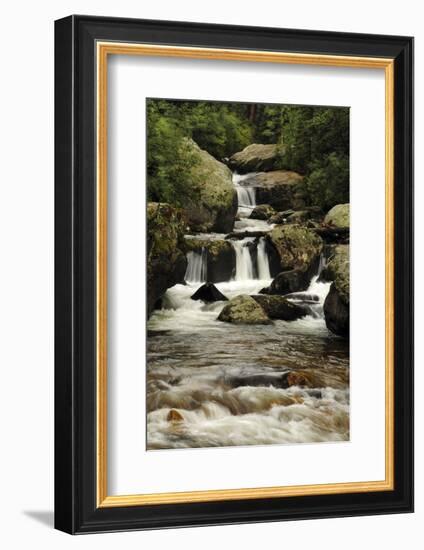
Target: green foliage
(169,160)
(328,182)
(313,141)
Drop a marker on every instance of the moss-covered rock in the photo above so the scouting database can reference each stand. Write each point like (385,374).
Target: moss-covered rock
(214,205)
(244,310)
(338,216)
(254,158)
(221,258)
(262,212)
(337,302)
(298,247)
(337,270)
(166,259)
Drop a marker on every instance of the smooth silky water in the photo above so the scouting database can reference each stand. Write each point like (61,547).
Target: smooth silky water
(227,381)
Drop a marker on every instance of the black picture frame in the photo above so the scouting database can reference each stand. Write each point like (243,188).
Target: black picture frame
(76,510)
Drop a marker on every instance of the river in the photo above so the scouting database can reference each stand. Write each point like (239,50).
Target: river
(227,384)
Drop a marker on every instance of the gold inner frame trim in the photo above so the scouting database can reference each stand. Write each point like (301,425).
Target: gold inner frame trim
(104,49)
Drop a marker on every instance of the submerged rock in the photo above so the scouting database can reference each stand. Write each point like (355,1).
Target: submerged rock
(262,212)
(253,158)
(166,259)
(281,189)
(244,310)
(298,378)
(214,207)
(338,216)
(208,293)
(174,416)
(278,307)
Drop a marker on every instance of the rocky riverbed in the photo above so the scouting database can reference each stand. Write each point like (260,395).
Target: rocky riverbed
(261,354)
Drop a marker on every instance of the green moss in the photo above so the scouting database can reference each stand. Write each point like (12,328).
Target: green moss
(244,310)
(338,216)
(214,247)
(297,246)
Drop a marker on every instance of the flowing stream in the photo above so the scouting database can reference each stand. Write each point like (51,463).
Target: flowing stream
(228,383)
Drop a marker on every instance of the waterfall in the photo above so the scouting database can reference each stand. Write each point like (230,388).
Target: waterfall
(196,266)
(244,264)
(246,196)
(263,261)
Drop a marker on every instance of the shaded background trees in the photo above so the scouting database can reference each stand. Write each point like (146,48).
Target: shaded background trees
(313,141)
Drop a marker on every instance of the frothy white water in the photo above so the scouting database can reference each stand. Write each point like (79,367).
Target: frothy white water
(269,416)
(263,261)
(246,196)
(316,288)
(244,264)
(197,266)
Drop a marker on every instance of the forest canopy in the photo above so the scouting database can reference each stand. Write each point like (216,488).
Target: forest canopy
(313,141)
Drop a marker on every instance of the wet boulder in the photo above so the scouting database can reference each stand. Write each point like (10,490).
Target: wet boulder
(338,216)
(262,212)
(166,259)
(208,293)
(278,307)
(336,313)
(254,158)
(244,310)
(288,282)
(214,204)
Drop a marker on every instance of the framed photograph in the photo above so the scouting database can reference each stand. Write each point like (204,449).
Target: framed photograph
(233,273)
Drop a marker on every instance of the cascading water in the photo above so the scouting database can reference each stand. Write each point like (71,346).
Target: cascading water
(197,265)
(244,264)
(313,298)
(246,197)
(226,383)
(263,260)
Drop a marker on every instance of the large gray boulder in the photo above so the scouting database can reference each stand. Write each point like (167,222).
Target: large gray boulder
(244,310)
(254,158)
(214,206)
(166,259)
